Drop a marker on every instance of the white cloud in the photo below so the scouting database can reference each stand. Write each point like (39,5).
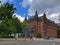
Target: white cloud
(3,1)
(0,0)
(54,17)
(40,15)
(51,7)
(30,0)
(26,2)
(19,17)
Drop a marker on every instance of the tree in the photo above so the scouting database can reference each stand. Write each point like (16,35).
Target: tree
(24,24)
(10,26)
(8,23)
(6,11)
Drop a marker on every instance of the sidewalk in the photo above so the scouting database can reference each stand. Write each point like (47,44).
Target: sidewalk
(26,40)
(57,40)
(13,40)
(41,39)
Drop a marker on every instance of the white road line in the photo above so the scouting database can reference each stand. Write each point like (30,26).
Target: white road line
(53,43)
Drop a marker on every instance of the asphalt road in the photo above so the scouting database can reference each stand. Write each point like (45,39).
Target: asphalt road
(32,43)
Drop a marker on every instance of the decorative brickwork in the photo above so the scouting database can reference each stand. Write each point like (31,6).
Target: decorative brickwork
(42,25)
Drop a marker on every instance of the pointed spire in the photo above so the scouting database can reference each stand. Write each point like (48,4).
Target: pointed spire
(44,15)
(25,18)
(36,15)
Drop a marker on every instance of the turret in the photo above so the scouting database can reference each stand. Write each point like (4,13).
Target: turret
(44,16)
(25,18)
(36,15)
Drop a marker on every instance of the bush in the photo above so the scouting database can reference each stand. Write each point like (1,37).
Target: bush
(38,35)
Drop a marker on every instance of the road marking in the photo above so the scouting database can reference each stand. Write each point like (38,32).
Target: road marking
(53,43)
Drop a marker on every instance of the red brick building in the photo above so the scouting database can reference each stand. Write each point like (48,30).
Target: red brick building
(43,26)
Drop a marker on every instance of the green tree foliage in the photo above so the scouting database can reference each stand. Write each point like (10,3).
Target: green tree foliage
(8,23)
(25,24)
(6,11)
(18,25)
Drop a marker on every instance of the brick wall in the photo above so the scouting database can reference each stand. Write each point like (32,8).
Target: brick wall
(46,29)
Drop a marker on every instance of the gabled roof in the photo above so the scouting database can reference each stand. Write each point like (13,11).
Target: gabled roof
(50,21)
(33,18)
(40,18)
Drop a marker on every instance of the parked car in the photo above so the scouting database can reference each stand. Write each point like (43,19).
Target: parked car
(48,38)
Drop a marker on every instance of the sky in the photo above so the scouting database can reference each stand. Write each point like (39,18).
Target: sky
(28,8)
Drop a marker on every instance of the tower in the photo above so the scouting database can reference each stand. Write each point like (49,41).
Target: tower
(25,18)
(36,26)
(44,17)
(36,15)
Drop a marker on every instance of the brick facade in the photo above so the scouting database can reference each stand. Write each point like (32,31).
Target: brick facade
(43,25)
